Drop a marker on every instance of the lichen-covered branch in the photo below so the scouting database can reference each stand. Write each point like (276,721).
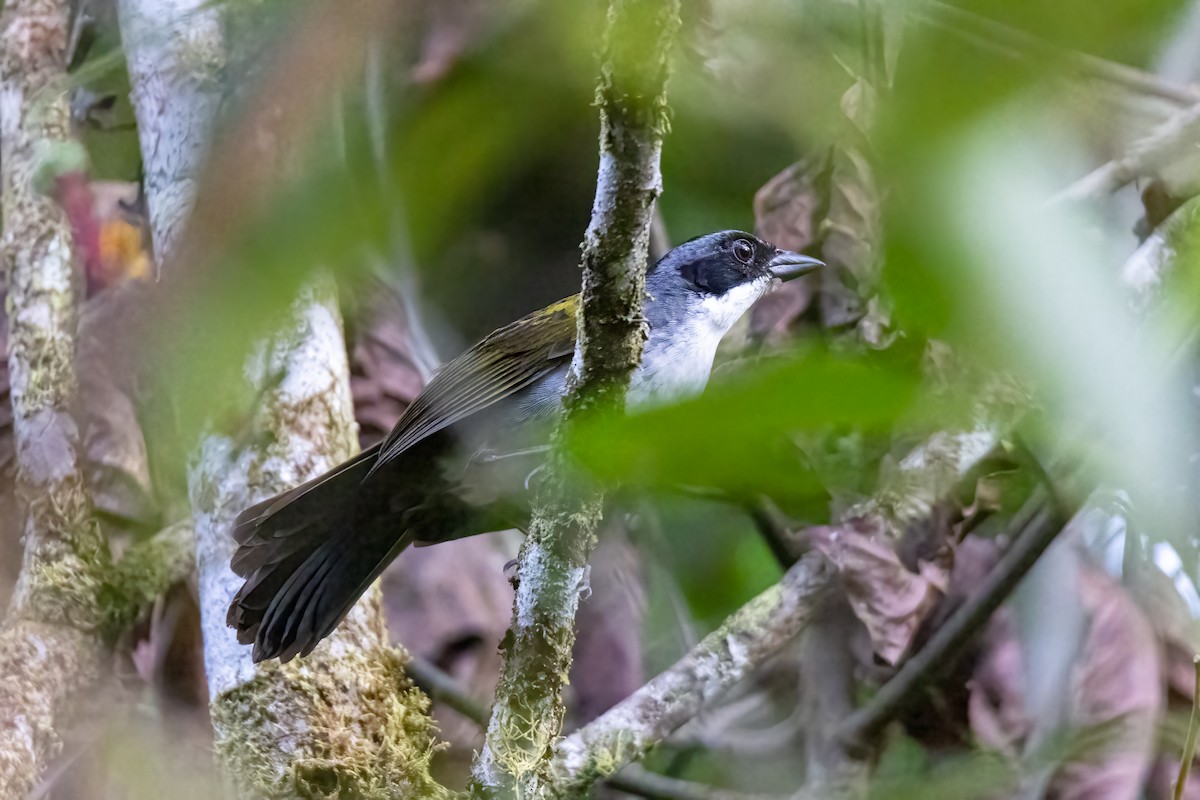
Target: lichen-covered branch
(727,655)
(1147,270)
(174,53)
(50,652)
(1170,144)
(60,537)
(45,670)
(631,95)
(344,721)
(1034,529)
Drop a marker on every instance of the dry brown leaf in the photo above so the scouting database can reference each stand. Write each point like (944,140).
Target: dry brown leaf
(1176,631)
(788,208)
(996,705)
(829,205)
(1116,694)
(787,211)
(1161,783)
(1119,686)
(170,656)
(853,226)
(1173,622)
(117,467)
(384,374)
(889,599)
(939,718)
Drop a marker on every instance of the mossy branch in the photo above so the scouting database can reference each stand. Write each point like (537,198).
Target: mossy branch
(631,95)
(744,641)
(343,721)
(147,570)
(175,54)
(51,655)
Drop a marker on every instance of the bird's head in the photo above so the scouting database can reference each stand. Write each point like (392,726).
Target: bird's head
(715,279)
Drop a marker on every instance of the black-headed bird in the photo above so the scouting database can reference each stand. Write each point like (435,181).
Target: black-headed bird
(449,467)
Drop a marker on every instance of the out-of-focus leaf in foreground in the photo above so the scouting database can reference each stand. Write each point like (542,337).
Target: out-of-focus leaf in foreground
(1027,288)
(256,237)
(736,437)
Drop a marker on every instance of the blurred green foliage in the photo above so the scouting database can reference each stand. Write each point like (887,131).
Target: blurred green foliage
(736,436)
(486,182)
(102,112)
(485,187)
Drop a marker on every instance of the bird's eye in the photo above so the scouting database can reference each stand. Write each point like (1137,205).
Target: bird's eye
(743,251)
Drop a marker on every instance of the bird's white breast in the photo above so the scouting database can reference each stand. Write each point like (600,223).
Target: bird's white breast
(679,355)
(676,362)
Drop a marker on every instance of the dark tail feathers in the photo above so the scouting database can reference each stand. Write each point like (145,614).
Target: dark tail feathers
(307,556)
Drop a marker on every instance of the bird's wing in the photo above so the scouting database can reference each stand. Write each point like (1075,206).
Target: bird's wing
(505,362)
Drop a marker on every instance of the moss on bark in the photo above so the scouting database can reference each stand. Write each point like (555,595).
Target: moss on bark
(50,655)
(726,656)
(631,93)
(45,670)
(146,571)
(367,731)
(342,721)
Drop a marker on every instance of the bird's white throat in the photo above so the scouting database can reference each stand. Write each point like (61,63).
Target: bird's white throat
(679,353)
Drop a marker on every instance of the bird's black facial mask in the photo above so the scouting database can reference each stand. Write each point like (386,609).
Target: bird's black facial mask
(719,266)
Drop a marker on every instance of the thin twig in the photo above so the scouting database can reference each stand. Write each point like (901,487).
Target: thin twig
(1035,528)
(443,688)
(644,783)
(1189,746)
(1168,142)
(773,525)
(1161,147)
(1123,75)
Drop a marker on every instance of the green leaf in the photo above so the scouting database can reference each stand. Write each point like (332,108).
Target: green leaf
(736,438)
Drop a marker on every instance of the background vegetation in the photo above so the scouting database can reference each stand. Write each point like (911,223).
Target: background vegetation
(1003,350)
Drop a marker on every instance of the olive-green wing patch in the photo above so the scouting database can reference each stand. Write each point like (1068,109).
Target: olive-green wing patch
(505,362)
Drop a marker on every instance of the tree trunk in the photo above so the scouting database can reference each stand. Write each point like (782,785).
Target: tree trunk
(343,721)
(529,711)
(50,654)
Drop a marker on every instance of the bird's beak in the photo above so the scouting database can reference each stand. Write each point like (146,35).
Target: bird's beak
(787,265)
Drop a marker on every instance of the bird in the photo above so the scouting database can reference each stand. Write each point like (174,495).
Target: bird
(455,462)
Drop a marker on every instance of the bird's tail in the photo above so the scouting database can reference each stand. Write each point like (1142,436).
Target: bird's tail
(307,556)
